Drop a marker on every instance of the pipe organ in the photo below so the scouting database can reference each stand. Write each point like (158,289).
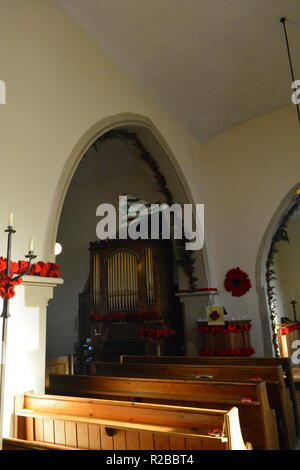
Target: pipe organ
(130,285)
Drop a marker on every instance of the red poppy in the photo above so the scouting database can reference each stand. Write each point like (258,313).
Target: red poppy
(2,264)
(35,270)
(23,265)
(241,352)
(214,315)
(216,433)
(237,282)
(7,285)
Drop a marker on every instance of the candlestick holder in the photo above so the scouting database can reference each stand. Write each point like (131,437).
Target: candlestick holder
(5,315)
(294,303)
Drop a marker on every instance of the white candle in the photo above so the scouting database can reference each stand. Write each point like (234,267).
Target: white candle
(31,244)
(10,219)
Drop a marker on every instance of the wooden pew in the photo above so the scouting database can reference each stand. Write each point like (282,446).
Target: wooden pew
(284,362)
(258,421)
(86,423)
(21,444)
(278,393)
(59,365)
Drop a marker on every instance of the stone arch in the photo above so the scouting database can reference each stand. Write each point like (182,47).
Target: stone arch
(286,203)
(87,139)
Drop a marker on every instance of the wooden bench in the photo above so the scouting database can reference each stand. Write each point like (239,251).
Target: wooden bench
(258,421)
(284,362)
(59,365)
(86,423)
(21,444)
(278,393)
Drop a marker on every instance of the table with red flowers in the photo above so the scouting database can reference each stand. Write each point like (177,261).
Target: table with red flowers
(230,339)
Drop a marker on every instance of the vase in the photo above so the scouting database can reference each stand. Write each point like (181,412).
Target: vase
(158,348)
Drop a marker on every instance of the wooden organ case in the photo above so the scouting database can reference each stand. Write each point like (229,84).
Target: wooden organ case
(130,286)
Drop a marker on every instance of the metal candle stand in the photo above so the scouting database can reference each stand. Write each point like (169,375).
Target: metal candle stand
(5,315)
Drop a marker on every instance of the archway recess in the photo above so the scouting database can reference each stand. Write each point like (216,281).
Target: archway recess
(266,275)
(166,165)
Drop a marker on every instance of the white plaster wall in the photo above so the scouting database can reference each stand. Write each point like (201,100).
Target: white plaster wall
(249,170)
(59,84)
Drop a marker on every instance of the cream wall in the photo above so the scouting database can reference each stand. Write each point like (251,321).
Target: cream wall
(59,84)
(249,170)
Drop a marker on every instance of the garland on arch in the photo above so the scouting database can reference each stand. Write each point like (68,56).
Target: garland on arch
(270,275)
(184,257)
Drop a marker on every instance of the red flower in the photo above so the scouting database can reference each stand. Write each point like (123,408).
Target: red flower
(53,270)
(7,285)
(44,268)
(35,270)
(214,315)
(2,264)
(23,265)
(155,333)
(14,267)
(227,328)
(227,352)
(237,282)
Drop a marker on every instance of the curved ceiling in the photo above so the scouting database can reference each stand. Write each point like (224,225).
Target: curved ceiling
(210,63)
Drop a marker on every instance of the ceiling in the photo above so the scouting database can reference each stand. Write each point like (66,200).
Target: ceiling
(210,63)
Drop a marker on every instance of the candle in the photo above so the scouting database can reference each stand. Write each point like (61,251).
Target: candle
(31,244)
(10,219)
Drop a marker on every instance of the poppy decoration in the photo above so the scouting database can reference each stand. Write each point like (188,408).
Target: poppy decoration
(216,433)
(237,282)
(214,315)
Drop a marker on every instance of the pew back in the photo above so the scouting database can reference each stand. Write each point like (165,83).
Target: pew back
(21,444)
(278,393)
(105,424)
(256,417)
(59,365)
(284,362)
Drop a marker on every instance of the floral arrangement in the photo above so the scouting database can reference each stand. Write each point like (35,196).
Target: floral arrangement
(120,316)
(7,283)
(288,329)
(227,328)
(241,352)
(156,333)
(237,282)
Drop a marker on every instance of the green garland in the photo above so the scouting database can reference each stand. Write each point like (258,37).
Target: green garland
(280,235)
(184,257)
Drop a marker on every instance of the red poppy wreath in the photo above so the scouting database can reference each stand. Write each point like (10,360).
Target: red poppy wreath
(237,282)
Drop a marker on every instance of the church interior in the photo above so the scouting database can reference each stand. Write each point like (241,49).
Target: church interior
(129,129)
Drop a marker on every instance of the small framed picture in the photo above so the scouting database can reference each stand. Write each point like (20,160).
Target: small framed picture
(215,315)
